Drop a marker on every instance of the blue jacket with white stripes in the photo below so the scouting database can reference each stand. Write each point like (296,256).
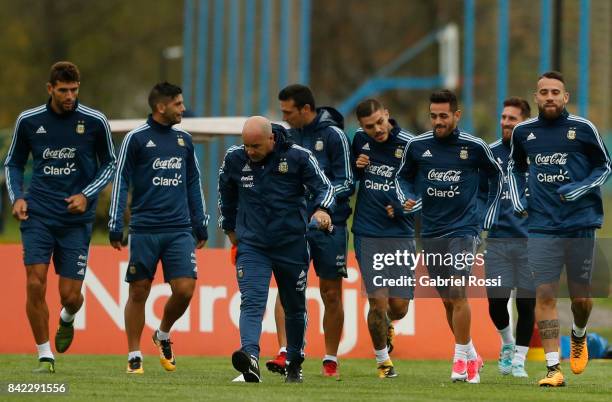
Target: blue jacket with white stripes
(330,146)
(508,224)
(72,153)
(160,164)
(567,162)
(377,186)
(264,202)
(447,173)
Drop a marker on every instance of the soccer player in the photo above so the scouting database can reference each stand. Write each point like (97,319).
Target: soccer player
(567,163)
(380,225)
(506,257)
(72,161)
(320,131)
(263,213)
(447,163)
(167,210)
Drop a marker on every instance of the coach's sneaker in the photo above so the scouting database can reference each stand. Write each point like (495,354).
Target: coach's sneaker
(64,335)
(504,364)
(247,365)
(294,371)
(386,369)
(459,372)
(554,377)
(46,365)
(518,370)
(330,369)
(579,353)
(134,366)
(390,335)
(166,356)
(278,364)
(473,370)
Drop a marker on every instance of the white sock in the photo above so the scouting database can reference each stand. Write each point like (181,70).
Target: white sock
(66,316)
(461,352)
(520,353)
(382,355)
(471,353)
(44,351)
(163,336)
(283,349)
(506,335)
(579,332)
(134,354)
(552,358)
(330,357)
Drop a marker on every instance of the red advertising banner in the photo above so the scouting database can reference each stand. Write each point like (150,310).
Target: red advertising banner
(210,326)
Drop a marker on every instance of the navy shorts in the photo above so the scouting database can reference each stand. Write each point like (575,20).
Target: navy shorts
(507,259)
(447,257)
(69,246)
(328,252)
(548,253)
(176,250)
(386,278)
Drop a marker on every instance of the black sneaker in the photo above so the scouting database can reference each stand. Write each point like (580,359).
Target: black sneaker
(294,371)
(166,356)
(134,366)
(64,335)
(247,365)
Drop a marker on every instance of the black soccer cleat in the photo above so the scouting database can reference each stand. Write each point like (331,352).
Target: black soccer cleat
(293,371)
(247,365)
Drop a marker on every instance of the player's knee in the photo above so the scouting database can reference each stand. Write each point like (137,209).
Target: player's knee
(398,310)
(139,293)
(331,295)
(184,292)
(36,286)
(70,299)
(546,301)
(582,303)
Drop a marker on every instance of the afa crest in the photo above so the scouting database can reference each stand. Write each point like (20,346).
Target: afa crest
(132,269)
(283,167)
(319,145)
(571,134)
(180,141)
(463,154)
(399,152)
(80,127)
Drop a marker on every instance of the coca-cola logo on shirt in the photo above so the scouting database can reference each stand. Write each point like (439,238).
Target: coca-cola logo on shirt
(62,153)
(170,163)
(381,170)
(557,158)
(444,175)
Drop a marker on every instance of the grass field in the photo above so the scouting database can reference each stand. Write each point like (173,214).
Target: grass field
(103,378)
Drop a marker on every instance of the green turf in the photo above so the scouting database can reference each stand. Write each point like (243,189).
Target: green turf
(102,377)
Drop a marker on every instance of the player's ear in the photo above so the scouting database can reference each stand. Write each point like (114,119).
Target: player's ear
(49,88)
(458,114)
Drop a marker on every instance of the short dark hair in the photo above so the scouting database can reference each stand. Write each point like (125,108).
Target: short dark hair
(161,91)
(521,104)
(445,96)
(300,94)
(555,75)
(64,71)
(367,107)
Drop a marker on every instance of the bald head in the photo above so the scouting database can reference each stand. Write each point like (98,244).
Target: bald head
(257,137)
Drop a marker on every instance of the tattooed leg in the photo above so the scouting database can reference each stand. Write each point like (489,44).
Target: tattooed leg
(546,316)
(377,322)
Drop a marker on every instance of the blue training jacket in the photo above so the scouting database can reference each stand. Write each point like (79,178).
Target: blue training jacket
(330,146)
(160,165)
(508,224)
(72,153)
(377,186)
(447,174)
(565,157)
(264,202)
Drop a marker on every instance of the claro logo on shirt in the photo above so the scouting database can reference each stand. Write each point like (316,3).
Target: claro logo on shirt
(61,153)
(175,181)
(170,163)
